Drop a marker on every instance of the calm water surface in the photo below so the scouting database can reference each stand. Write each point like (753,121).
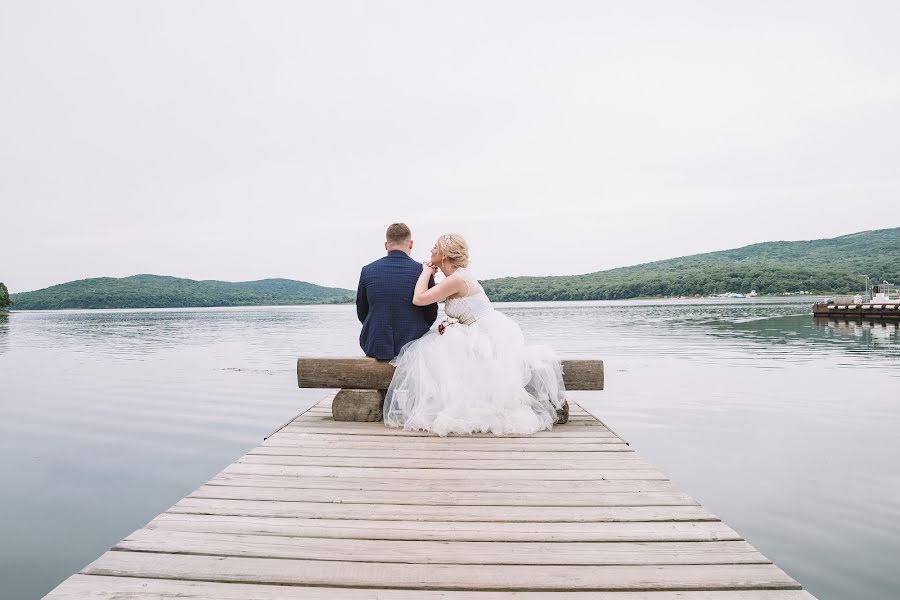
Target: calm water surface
(787,429)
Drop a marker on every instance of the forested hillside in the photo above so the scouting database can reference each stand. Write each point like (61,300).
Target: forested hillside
(155,291)
(834,265)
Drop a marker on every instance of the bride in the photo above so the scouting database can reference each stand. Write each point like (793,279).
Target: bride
(475,373)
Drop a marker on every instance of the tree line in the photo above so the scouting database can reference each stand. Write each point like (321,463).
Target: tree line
(687,282)
(5,302)
(830,266)
(153,291)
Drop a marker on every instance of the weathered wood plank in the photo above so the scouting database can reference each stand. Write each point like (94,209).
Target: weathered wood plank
(397,512)
(97,587)
(547,475)
(595,486)
(446,553)
(484,531)
(378,429)
(387,444)
(367,373)
(443,577)
(605,461)
(592,428)
(447,498)
(446,454)
(551,436)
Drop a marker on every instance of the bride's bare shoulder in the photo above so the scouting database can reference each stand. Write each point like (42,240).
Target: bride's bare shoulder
(460,282)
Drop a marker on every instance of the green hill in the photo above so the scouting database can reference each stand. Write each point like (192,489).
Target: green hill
(155,291)
(825,266)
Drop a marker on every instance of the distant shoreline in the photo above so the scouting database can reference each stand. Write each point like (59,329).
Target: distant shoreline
(779,269)
(812,298)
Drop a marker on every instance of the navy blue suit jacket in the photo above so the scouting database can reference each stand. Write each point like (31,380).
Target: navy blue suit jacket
(384,305)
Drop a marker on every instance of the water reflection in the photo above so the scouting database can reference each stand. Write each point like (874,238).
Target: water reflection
(805,338)
(865,333)
(4,331)
(132,334)
(767,333)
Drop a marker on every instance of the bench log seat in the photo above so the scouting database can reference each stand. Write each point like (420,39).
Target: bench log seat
(363,381)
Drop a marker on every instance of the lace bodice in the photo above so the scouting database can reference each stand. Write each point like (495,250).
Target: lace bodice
(470,306)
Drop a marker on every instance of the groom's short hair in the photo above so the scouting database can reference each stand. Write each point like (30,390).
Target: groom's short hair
(398,233)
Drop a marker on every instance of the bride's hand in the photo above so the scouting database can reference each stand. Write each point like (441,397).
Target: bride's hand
(429,268)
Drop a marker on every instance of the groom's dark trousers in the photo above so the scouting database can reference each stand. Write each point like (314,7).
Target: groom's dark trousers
(385,309)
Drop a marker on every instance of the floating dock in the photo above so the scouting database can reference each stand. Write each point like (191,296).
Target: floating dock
(327,509)
(889,310)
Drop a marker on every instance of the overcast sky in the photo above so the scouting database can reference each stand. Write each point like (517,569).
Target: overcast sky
(245,140)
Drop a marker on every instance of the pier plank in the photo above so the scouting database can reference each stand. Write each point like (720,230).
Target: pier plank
(411,445)
(378,430)
(317,418)
(440,576)
(325,417)
(413,473)
(443,552)
(619,461)
(97,587)
(439,485)
(445,453)
(451,498)
(477,531)
(412,512)
(325,509)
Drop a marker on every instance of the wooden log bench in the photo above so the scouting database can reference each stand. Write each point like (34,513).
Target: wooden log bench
(362,383)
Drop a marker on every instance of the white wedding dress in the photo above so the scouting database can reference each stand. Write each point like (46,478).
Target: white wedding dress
(479,376)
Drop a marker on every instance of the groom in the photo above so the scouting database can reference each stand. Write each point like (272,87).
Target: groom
(384,298)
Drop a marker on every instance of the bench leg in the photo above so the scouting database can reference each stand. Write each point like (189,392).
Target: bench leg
(358,405)
(562,414)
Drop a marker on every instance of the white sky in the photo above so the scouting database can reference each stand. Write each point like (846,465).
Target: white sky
(244,140)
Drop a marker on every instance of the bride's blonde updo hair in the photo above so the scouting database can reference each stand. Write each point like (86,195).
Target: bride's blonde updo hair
(454,249)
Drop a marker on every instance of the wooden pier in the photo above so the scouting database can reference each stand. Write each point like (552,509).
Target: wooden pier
(345,510)
(882,310)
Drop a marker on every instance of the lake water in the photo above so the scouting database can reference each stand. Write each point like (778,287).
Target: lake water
(787,429)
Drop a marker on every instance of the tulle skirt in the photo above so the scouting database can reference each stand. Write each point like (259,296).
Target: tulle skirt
(475,378)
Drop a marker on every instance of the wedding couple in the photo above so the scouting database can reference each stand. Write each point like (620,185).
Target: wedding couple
(474,373)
